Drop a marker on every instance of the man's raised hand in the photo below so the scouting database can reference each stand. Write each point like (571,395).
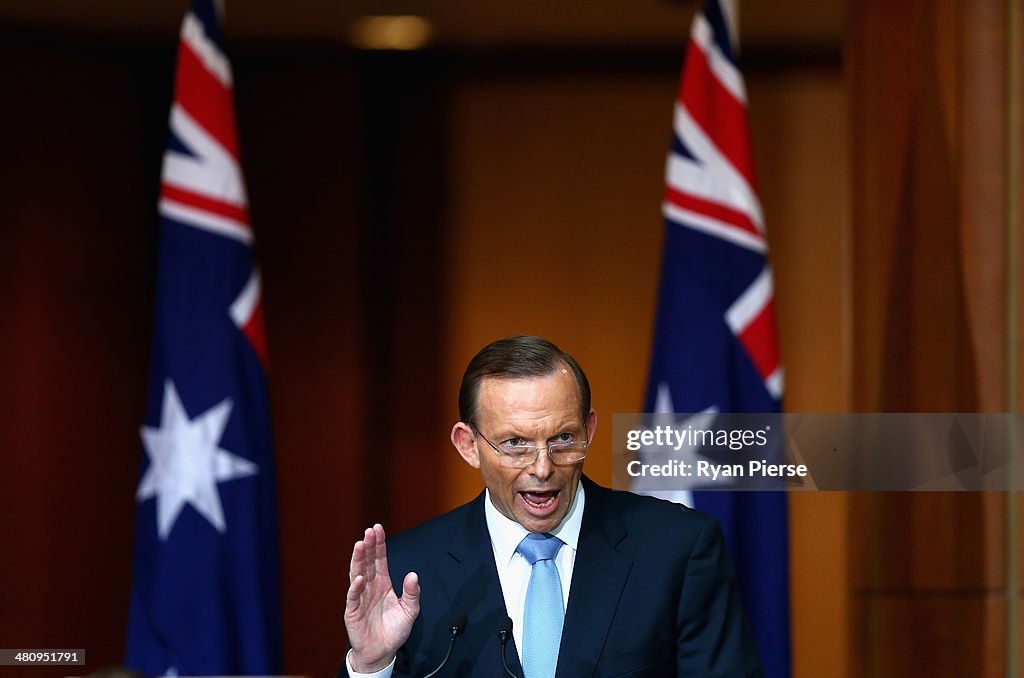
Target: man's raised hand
(378,622)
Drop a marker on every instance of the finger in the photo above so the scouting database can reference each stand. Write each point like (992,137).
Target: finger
(354,596)
(369,563)
(362,556)
(381,555)
(358,562)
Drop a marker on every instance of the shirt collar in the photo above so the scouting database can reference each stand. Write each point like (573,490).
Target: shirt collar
(507,533)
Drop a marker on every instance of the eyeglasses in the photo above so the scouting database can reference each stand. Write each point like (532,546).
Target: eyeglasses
(561,452)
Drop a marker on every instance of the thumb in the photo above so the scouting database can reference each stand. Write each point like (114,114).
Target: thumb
(411,594)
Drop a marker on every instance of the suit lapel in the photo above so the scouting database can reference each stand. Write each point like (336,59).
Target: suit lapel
(472,585)
(599,575)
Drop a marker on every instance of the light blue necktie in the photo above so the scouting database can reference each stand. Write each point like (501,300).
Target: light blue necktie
(545,612)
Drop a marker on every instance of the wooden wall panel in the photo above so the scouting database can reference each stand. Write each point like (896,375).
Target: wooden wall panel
(305,214)
(924,636)
(982,194)
(348,205)
(805,191)
(928,114)
(73,348)
(563,176)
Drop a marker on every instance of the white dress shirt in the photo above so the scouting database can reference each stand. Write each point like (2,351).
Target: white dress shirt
(513,570)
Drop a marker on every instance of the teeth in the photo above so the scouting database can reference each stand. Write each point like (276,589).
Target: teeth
(542,504)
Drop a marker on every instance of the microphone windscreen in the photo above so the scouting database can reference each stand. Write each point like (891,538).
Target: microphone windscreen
(457,622)
(505,625)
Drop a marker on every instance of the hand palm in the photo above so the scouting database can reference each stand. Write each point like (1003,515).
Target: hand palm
(382,618)
(377,620)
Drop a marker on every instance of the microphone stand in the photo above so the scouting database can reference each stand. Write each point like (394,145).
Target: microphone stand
(458,623)
(504,633)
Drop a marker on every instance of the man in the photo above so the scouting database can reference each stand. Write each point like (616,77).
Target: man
(596,582)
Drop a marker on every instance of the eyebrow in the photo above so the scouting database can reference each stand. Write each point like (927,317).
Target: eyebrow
(505,434)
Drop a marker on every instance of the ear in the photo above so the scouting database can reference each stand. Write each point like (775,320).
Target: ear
(591,425)
(465,442)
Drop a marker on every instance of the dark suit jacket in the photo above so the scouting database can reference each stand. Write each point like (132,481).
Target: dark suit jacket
(652,594)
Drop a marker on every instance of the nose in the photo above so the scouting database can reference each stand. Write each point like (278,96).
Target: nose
(542,467)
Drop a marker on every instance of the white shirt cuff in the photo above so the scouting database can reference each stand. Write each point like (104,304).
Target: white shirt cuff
(383,673)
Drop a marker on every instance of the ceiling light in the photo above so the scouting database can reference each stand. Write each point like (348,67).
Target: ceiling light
(403,32)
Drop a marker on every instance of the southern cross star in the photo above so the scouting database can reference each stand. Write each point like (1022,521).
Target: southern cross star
(186,462)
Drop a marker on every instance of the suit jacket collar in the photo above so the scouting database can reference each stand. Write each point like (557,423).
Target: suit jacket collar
(598,578)
(471,582)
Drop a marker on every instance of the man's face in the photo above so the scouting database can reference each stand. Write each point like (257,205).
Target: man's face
(530,411)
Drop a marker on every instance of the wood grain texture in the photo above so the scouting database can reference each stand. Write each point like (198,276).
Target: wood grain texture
(928,115)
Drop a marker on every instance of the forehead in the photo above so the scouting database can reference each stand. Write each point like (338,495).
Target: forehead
(555,395)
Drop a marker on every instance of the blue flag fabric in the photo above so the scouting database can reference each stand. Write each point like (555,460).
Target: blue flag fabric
(715,345)
(205,588)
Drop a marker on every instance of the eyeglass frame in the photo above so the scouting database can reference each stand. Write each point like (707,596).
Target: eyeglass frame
(537,449)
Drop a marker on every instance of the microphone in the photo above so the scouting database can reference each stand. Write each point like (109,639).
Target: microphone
(456,625)
(504,633)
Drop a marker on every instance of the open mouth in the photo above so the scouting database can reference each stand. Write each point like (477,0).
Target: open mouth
(540,502)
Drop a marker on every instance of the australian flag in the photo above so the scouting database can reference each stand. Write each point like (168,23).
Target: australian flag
(205,589)
(714,344)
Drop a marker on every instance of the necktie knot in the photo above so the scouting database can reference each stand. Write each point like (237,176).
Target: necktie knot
(535,547)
